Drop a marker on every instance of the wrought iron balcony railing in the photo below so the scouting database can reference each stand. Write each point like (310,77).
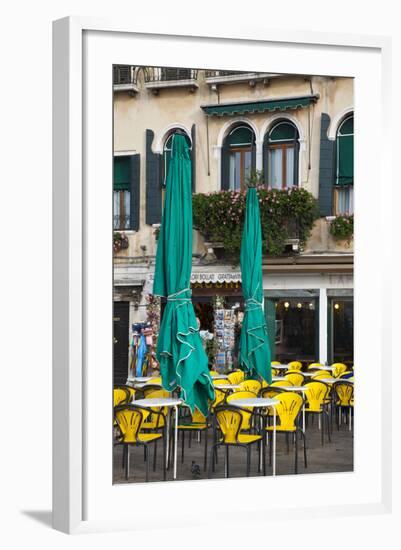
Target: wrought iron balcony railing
(214,78)
(125,78)
(170,77)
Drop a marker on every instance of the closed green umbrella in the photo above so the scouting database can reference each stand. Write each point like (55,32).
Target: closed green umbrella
(183,361)
(254,356)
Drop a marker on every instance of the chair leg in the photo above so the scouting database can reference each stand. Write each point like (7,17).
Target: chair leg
(147,462)
(248,460)
(264,454)
(304,441)
(296,451)
(211,462)
(126,461)
(328,426)
(183,445)
(287,440)
(226,463)
(270,448)
(205,458)
(164,455)
(155,456)
(321,415)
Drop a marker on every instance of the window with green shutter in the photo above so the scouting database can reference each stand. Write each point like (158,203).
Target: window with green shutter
(281,155)
(121,192)
(238,157)
(343,190)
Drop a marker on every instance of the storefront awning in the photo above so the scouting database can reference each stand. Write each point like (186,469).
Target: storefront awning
(280,104)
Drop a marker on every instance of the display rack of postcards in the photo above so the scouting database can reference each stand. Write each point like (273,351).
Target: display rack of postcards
(224,332)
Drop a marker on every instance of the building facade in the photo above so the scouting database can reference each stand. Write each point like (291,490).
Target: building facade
(295,130)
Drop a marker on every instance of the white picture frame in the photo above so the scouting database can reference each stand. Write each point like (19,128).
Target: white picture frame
(84,498)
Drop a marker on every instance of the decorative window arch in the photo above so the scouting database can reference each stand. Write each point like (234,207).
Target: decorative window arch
(238,156)
(281,155)
(344,181)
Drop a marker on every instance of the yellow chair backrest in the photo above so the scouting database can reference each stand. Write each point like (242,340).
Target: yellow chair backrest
(249,385)
(288,408)
(339,368)
(316,394)
(120,396)
(345,393)
(294,365)
(132,392)
(283,382)
(322,374)
(153,393)
(221,382)
(265,384)
(275,372)
(236,377)
(246,417)
(275,363)
(296,378)
(156,380)
(130,420)
(213,372)
(313,365)
(198,418)
(219,397)
(230,423)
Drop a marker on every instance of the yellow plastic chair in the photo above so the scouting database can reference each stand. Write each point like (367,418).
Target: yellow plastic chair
(213,373)
(157,381)
(249,385)
(322,374)
(275,363)
(155,392)
(219,398)
(287,411)
(313,366)
(236,377)
(130,420)
(344,399)
(317,403)
(193,423)
(283,382)
(245,411)
(221,382)
(230,421)
(294,365)
(275,372)
(296,378)
(121,396)
(339,368)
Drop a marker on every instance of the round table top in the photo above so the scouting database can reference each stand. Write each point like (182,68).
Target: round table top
(324,368)
(280,367)
(141,385)
(140,379)
(158,402)
(332,380)
(308,373)
(219,376)
(293,388)
(278,378)
(226,386)
(254,402)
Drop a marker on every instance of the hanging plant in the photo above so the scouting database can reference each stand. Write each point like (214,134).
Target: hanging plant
(284,214)
(342,227)
(120,241)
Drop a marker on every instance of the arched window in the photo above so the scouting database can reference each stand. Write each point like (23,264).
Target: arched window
(281,155)
(344,184)
(168,147)
(238,157)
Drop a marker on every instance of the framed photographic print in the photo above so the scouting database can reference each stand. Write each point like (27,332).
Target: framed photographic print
(199,180)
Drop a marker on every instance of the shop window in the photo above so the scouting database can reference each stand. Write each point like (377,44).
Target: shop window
(121,193)
(293,328)
(281,155)
(238,158)
(344,183)
(341,326)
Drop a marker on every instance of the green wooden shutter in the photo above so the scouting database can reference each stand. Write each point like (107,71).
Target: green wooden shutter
(270,313)
(193,157)
(153,182)
(326,168)
(225,165)
(121,173)
(135,164)
(345,145)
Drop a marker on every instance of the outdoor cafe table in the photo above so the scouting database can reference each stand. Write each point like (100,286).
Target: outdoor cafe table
(219,376)
(169,402)
(324,368)
(139,379)
(331,380)
(261,403)
(280,367)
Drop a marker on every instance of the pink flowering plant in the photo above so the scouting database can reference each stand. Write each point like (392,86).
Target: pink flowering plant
(284,214)
(342,227)
(120,241)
